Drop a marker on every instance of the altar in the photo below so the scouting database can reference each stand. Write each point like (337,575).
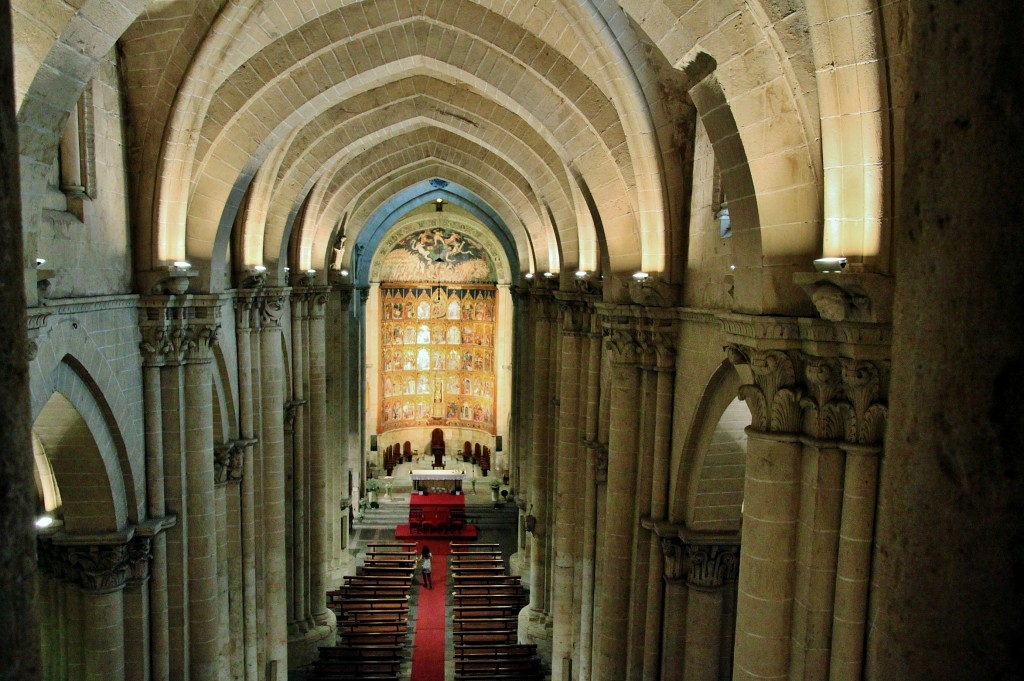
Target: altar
(432,480)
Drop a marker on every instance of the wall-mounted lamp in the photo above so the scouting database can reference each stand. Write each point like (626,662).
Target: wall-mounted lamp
(344,273)
(40,262)
(830,264)
(439,205)
(582,274)
(43,277)
(177,280)
(641,276)
(44,521)
(529,275)
(549,275)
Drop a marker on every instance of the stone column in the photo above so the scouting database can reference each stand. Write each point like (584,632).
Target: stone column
(137,610)
(673,630)
(152,348)
(575,322)
(204,610)
(273,489)
(247,321)
(296,422)
(866,414)
(818,536)
(318,459)
(662,456)
(588,526)
(613,625)
(771,498)
(710,567)
(540,455)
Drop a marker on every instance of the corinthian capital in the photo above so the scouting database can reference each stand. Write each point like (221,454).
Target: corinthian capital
(624,346)
(824,404)
(711,565)
(774,397)
(865,383)
(97,568)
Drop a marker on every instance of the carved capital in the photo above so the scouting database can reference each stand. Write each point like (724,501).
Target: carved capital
(291,410)
(674,562)
(97,568)
(652,292)
(710,566)
(865,384)
(624,346)
(575,316)
(271,310)
(774,397)
(229,461)
(201,339)
(139,554)
(824,404)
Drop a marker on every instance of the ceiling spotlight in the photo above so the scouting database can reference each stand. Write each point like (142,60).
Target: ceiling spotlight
(40,262)
(44,521)
(582,274)
(260,268)
(640,276)
(344,273)
(182,265)
(548,275)
(529,275)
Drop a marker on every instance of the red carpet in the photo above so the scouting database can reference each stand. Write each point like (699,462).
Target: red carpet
(428,645)
(403,533)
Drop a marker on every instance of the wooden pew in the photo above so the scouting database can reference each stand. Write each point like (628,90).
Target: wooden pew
(472,548)
(392,546)
(529,665)
(508,589)
(371,668)
(377,616)
(484,580)
(378,580)
(484,623)
(518,600)
(353,604)
(368,590)
(359,627)
(394,652)
(379,638)
(464,611)
(496,650)
(382,571)
(484,637)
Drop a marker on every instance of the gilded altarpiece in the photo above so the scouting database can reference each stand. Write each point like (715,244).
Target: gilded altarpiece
(437,356)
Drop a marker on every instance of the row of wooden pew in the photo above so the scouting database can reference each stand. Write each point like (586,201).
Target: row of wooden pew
(486,604)
(372,608)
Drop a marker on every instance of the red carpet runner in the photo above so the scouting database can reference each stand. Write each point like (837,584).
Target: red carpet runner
(428,645)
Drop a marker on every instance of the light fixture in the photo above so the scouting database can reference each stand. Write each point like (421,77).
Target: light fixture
(732,267)
(548,275)
(529,275)
(287,269)
(582,274)
(176,283)
(641,276)
(260,268)
(44,521)
(439,205)
(830,264)
(40,262)
(182,265)
(344,273)
(311,272)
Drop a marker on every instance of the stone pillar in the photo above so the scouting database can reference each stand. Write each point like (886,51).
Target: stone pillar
(137,610)
(567,506)
(673,630)
(247,321)
(613,623)
(588,526)
(296,423)
(273,489)
(662,456)
(318,469)
(540,455)
(710,567)
(771,498)
(863,382)
(204,609)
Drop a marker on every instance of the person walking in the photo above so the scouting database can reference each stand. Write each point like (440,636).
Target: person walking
(425,567)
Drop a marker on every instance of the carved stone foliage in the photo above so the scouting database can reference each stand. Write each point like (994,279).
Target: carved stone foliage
(600,459)
(866,412)
(674,560)
(828,398)
(575,317)
(228,462)
(271,310)
(824,404)
(97,568)
(711,565)
(624,346)
(173,334)
(774,397)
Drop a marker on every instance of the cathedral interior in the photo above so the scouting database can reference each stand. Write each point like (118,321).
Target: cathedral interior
(721,290)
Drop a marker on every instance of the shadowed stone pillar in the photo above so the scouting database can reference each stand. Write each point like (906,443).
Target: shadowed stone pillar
(273,492)
(137,610)
(247,321)
(588,525)
(204,609)
(710,567)
(771,498)
(318,469)
(295,437)
(613,623)
(673,630)
(567,502)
